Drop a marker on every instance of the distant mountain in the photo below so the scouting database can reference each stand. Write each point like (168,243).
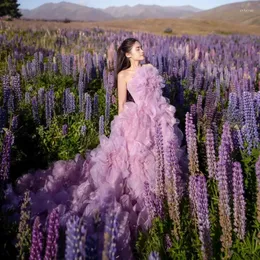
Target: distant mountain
(62,10)
(150,11)
(247,12)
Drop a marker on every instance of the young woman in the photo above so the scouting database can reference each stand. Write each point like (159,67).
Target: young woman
(120,171)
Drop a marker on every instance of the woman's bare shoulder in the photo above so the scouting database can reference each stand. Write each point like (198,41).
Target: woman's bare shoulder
(148,64)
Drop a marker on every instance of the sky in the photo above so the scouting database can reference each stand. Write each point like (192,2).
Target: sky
(202,4)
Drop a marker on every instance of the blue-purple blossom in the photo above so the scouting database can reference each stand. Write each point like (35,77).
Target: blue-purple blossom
(51,249)
(238,201)
(6,155)
(37,241)
(76,233)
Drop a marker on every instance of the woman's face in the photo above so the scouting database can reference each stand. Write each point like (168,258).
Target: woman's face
(136,53)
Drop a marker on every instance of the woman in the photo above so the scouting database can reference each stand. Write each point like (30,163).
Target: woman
(117,171)
(129,56)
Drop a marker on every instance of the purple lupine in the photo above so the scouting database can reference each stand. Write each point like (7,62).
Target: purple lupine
(41,96)
(224,190)
(173,183)
(199,107)
(101,125)
(88,109)
(160,167)
(193,111)
(75,239)
(24,72)
(110,235)
(108,104)
(65,103)
(81,96)
(17,87)
(149,203)
(27,97)
(11,103)
(6,155)
(2,118)
(202,213)
(6,90)
(35,110)
(14,123)
(51,249)
(211,157)
(168,242)
(110,83)
(238,201)
(154,256)
(210,106)
(233,110)
(83,130)
(37,243)
(251,134)
(49,106)
(72,106)
(257,171)
(191,140)
(64,129)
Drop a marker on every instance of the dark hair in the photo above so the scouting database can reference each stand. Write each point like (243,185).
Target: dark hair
(122,61)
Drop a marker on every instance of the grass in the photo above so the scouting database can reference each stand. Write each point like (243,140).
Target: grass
(156,26)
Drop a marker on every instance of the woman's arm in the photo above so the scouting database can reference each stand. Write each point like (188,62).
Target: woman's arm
(122,91)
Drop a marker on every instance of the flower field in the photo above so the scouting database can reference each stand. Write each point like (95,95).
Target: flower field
(57,96)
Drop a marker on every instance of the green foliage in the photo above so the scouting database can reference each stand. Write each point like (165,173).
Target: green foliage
(63,147)
(10,7)
(248,166)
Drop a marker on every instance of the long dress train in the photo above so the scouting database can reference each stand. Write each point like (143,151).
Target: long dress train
(115,171)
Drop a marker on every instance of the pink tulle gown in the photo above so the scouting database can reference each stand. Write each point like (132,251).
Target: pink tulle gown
(115,171)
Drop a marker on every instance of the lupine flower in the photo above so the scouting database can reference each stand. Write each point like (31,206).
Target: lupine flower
(24,232)
(37,244)
(17,87)
(251,133)
(6,90)
(110,235)
(223,167)
(239,201)
(81,96)
(173,184)
(199,107)
(2,118)
(257,170)
(41,96)
(202,213)
(108,103)
(154,256)
(75,239)
(149,203)
(83,130)
(192,144)
(101,125)
(53,235)
(210,150)
(14,123)
(6,155)
(88,111)
(64,129)
(160,170)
